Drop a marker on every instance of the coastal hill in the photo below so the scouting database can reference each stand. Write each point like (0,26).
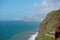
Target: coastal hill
(47,26)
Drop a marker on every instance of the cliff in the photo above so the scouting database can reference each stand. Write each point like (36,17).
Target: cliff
(47,26)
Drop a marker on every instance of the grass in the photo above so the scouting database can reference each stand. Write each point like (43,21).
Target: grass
(50,26)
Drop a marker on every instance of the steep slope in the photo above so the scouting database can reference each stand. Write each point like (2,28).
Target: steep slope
(47,25)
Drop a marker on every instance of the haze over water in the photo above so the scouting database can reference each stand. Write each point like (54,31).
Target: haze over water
(17,30)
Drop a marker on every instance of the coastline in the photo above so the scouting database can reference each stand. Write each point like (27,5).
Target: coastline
(33,36)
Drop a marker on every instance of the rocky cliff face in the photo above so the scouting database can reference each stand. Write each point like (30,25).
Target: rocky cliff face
(47,25)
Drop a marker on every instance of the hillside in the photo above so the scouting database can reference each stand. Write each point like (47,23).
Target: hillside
(47,25)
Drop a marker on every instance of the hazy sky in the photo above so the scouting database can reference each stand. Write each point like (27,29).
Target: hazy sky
(19,9)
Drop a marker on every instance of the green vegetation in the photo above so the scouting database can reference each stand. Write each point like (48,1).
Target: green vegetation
(51,19)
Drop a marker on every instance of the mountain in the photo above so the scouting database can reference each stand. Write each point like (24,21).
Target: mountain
(33,18)
(46,30)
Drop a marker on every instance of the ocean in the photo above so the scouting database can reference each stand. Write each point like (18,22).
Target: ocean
(18,30)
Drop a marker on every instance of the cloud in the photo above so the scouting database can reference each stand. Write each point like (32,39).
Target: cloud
(58,4)
(49,0)
(35,5)
(45,7)
(44,3)
(49,5)
(42,9)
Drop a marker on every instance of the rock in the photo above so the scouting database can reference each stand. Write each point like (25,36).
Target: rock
(48,25)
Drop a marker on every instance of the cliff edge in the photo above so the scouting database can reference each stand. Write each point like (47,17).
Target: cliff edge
(46,30)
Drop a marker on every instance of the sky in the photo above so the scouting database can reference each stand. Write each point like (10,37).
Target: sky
(27,9)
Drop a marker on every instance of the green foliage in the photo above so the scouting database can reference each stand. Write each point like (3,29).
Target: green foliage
(49,25)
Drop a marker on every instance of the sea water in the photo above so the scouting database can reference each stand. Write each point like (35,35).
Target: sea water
(18,30)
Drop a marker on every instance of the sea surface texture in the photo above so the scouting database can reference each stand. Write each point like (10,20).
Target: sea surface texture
(18,30)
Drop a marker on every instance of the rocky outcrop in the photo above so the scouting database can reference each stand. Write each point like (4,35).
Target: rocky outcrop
(47,25)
